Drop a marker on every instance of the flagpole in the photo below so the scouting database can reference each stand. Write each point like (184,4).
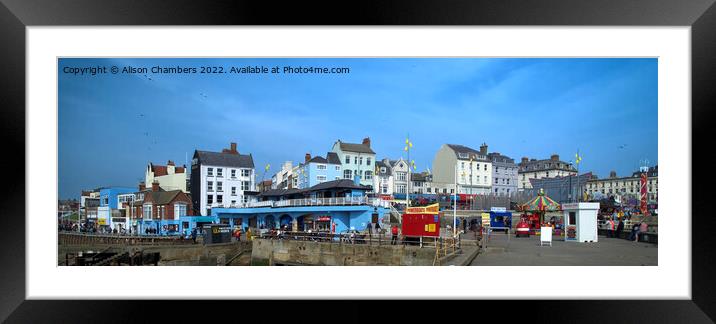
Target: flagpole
(454,215)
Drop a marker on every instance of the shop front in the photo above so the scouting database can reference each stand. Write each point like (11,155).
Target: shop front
(323,223)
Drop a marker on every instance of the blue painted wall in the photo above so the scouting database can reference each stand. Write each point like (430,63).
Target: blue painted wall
(309,176)
(111,195)
(345,217)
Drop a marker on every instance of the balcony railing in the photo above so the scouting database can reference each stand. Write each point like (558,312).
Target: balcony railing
(350,201)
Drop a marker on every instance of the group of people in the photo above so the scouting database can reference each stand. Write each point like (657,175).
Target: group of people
(637,228)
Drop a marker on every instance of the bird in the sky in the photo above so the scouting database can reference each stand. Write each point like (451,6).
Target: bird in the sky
(141,115)
(623,146)
(203,95)
(146,134)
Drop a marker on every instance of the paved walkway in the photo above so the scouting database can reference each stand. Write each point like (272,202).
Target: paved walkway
(605,252)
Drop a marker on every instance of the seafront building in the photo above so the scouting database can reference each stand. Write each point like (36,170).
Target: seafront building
(332,206)
(221,179)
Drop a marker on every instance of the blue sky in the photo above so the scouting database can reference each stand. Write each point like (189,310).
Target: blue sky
(111,126)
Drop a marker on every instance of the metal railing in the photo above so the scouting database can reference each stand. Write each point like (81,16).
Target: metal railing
(380,239)
(341,201)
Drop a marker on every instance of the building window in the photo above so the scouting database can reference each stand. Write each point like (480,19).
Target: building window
(452,190)
(210,186)
(355,160)
(244,199)
(485,179)
(508,181)
(496,180)
(244,185)
(369,175)
(367,161)
(179,210)
(321,178)
(348,174)
(485,166)
(338,178)
(233,191)
(360,160)
(245,173)
(233,173)
(210,199)
(219,186)
(428,190)
(210,172)
(382,169)
(219,172)
(401,176)
(348,159)
(495,190)
(219,199)
(321,166)
(338,168)
(384,189)
(147,211)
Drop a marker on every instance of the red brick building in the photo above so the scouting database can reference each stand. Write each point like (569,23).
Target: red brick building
(157,204)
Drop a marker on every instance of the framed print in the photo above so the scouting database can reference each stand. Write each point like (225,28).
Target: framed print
(395,151)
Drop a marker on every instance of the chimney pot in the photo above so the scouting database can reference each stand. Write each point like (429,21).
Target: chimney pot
(555,157)
(308,157)
(233,148)
(525,159)
(142,187)
(155,186)
(366,141)
(170,162)
(483,149)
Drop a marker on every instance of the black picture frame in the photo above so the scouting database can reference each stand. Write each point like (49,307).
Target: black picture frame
(15,15)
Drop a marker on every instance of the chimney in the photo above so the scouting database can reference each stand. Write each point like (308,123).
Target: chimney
(613,174)
(366,141)
(524,159)
(483,149)
(233,148)
(308,157)
(142,187)
(554,157)
(170,162)
(155,185)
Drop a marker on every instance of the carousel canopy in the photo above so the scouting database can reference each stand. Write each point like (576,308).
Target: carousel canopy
(540,203)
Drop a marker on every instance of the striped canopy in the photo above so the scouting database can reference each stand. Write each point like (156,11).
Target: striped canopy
(540,203)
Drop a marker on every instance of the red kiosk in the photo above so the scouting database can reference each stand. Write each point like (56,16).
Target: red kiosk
(421,221)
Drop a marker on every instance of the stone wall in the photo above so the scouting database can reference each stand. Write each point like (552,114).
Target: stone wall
(287,252)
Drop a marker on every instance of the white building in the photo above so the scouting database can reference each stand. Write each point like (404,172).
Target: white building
(170,177)
(383,178)
(474,169)
(280,180)
(358,160)
(624,187)
(538,169)
(221,179)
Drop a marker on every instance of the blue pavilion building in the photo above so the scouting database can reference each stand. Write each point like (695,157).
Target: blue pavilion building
(341,203)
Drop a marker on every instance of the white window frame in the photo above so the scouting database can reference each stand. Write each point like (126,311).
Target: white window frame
(220,172)
(321,167)
(209,172)
(210,186)
(321,178)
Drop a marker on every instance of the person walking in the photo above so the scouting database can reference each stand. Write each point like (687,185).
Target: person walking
(620,228)
(634,232)
(193,235)
(643,227)
(237,234)
(610,227)
(394,232)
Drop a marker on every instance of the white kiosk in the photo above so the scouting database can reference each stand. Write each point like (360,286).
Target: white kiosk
(580,221)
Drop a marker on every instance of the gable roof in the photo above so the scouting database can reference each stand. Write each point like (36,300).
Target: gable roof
(352,147)
(470,152)
(161,197)
(317,159)
(338,184)
(333,158)
(225,159)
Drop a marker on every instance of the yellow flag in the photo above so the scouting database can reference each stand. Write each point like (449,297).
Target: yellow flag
(268,166)
(406,148)
(407,141)
(410,144)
